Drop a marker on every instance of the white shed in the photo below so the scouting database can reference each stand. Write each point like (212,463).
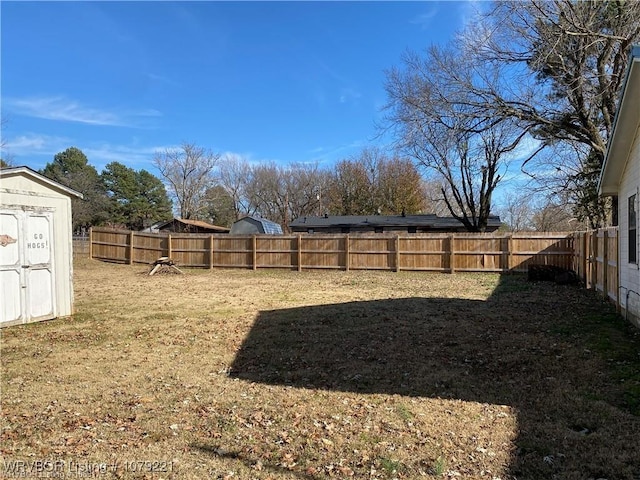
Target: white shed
(620,177)
(36,258)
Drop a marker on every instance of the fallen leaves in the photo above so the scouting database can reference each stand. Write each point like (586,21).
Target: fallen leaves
(353,375)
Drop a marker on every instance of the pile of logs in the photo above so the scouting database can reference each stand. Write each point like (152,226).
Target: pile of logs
(164,265)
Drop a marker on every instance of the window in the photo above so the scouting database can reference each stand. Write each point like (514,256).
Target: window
(633,229)
(377,229)
(413,230)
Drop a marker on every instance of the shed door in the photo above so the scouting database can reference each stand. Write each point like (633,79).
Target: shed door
(26,266)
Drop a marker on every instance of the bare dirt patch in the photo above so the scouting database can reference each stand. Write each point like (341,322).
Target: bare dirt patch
(289,375)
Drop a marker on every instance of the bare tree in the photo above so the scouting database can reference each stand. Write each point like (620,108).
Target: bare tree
(233,174)
(276,192)
(305,186)
(429,111)
(6,159)
(577,52)
(189,172)
(554,216)
(283,193)
(531,211)
(434,201)
(516,211)
(266,192)
(3,125)
(553,67)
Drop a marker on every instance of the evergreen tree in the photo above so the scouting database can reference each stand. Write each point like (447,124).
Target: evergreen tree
(137,198)
(72,169)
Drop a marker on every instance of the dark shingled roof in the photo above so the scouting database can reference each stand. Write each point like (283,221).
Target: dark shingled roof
(195,223)
(429,221)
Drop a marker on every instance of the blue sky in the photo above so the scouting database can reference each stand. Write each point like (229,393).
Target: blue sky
(271,81)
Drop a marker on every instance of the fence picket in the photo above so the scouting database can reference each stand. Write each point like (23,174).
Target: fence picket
(592,254)
(419,252)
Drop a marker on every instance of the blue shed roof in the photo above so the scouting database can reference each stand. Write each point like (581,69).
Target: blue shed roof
(270,227)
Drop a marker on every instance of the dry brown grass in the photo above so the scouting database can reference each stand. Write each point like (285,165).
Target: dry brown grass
(309,375)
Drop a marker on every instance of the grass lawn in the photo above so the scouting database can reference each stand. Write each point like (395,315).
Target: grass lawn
(310,375)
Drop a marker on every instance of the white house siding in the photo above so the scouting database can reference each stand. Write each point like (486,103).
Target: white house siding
(629,273)
(25,193)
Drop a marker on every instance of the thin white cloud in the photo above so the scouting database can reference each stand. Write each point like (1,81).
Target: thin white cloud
(470,12)
(347,92)
(229,155)
(515,176)
(474,32)
(132,156)
(251,159)
(330,154)
(36,150)
(424,19)
(35,144)
(60,108)
(524,150)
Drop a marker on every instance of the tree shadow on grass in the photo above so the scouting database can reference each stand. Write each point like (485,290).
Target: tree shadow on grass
(528,346)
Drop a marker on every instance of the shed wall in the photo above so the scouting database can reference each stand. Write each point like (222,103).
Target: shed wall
(246,226)
(23,193)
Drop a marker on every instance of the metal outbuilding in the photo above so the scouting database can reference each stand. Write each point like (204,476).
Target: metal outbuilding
(252,225)
(36,258)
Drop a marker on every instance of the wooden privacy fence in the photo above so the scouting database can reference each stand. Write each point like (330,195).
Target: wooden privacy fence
(596,260)
(462,252)
(80,247)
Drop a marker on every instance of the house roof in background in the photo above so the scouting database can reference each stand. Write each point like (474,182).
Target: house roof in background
(624,128)
(28,172)
(425,221)
(195,223)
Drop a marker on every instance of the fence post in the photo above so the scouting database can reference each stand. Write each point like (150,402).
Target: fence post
(452,254)
(588,241)
(583,260)
(594,260)
(211,252)
(90,243)
(299,252)
(509,252)
(617,237)
(397,247)
(346,253)
(131,247)
(254,252)
(605,263)
(169,245)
